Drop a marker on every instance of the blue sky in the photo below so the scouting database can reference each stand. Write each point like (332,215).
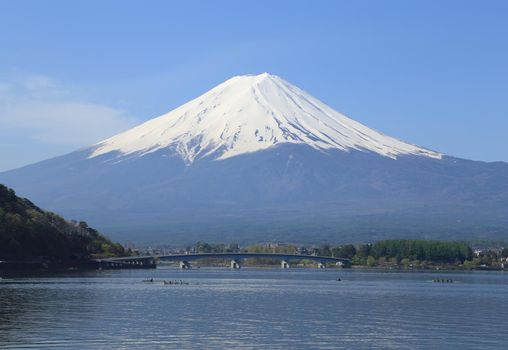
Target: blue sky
(434,73)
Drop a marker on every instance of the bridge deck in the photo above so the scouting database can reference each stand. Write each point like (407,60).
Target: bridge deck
(232,256)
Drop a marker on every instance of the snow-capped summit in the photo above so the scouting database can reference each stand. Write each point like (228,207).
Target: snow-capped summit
(251,113)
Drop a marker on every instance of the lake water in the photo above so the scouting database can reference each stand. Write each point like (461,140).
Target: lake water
(255,309)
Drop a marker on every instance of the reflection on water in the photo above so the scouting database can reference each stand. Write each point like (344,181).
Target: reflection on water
(255,309)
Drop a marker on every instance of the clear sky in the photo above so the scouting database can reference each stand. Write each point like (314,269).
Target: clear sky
(434,73)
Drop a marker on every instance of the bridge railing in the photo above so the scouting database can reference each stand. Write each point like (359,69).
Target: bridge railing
(234,256)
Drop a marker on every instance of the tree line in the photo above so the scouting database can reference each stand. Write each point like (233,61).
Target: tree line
(396,251)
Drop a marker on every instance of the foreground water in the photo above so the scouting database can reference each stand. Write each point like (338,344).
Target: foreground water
(255,309)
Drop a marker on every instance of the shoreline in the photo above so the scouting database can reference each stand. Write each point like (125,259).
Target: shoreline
(94,265)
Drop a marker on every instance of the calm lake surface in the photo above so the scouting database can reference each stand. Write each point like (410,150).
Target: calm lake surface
(255,309)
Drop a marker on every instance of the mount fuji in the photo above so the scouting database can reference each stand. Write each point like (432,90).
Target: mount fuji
(247,114)
(256,158)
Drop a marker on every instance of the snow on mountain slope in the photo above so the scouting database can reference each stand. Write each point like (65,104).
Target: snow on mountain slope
(252,113)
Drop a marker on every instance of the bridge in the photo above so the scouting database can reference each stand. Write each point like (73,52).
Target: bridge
(236,259)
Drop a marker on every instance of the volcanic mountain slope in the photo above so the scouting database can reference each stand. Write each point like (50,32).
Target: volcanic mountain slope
(256,158)
(248,114)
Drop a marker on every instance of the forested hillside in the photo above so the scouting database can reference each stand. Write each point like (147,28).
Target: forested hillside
(30,233)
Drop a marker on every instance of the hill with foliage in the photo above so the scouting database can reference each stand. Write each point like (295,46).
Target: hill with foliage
(30,233)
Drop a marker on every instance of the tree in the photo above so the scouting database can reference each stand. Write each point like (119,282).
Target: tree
(325,250)
(28,232)
(371,261)
(347,251)
(436,251)
(405,262)
(364,250)
(468,264)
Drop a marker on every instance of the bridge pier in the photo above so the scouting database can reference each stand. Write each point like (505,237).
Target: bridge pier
(184,265)
(343,264)
(284,264)
(320,265)
(235,264)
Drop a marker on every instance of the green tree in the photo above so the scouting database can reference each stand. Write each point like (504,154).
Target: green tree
(28,232)
(347,251)
(468,264)
(325,250)
(371,261)
(364,250)
(405,263)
